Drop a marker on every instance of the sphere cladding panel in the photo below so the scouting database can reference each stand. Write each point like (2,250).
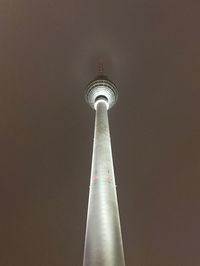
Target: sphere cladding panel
(101,87)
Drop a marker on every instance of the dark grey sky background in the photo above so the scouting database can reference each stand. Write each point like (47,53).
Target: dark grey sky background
(49,51)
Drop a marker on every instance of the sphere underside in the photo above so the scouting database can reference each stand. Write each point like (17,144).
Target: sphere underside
(101,88)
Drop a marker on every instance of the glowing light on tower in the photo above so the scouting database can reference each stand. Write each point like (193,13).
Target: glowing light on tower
(103,241)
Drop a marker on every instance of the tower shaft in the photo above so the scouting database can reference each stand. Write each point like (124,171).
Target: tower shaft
(103,241)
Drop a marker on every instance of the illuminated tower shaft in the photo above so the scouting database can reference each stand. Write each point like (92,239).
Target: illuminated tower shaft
(103,241)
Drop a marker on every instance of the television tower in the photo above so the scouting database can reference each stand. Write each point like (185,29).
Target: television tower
(103,240)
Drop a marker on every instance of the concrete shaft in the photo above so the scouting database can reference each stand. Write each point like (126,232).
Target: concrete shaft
(103,241)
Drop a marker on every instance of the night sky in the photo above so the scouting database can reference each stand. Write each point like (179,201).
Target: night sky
(49,51)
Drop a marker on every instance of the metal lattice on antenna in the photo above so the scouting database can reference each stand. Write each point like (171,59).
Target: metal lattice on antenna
(101,68)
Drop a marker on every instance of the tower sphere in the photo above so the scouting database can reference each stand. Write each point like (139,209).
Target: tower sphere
(101,89)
